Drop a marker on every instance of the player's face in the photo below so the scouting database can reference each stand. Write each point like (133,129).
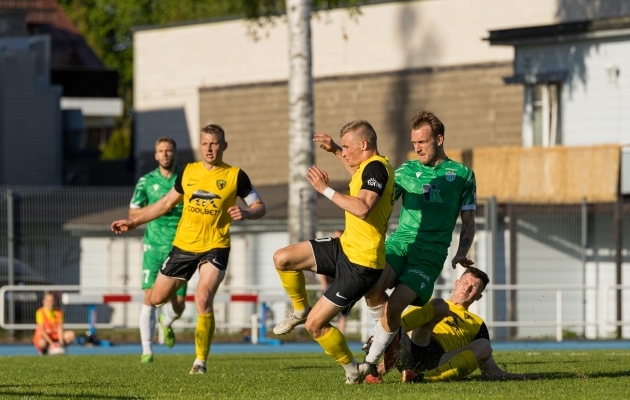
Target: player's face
(426,145)
(212,148)
(165,155)
(467,290)
(352,148)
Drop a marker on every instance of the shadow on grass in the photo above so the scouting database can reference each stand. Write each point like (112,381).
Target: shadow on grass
(45,394)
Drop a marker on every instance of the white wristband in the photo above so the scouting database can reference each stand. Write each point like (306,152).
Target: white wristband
(329,192)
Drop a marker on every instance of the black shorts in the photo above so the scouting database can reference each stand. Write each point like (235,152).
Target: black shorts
(182,264)
(352,281)
(418,358)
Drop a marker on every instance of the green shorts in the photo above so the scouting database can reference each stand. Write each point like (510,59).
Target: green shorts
(416,267)
(151,264)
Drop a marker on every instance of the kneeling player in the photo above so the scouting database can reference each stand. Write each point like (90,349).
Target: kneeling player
(452,344)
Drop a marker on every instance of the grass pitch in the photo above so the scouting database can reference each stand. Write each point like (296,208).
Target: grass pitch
(602,374)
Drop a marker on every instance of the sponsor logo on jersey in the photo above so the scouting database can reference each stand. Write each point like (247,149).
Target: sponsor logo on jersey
(431,193)
(418,173)
(421,273)
(201,198)
(221,183)
(374,182)
(450,176)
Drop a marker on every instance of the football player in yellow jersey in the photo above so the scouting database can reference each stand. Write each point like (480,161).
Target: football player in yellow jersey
(356,259)
(208,189)
(453,344)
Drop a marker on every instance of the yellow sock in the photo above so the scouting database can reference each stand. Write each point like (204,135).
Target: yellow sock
(460,365)
(334,344)
(417,316)
(295,285)
(203,335)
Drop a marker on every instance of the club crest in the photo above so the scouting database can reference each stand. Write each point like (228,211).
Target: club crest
(450,176)
(221,183)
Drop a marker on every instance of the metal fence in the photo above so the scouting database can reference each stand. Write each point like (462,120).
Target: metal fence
(61,236)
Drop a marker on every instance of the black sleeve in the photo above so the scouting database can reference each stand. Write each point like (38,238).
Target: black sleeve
(179,188)
(375,177)
(243,184)
(483,332)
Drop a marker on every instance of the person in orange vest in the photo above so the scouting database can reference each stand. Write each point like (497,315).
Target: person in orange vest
(50,338)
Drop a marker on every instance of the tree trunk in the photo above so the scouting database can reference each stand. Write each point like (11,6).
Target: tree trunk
(302,197)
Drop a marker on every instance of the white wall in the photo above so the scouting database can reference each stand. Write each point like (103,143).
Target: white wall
(171,64)
(594,104)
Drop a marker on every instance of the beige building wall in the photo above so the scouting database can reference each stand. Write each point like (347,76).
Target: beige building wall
(475,106)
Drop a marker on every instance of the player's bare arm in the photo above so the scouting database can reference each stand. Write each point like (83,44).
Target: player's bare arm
(151,212)
(134,212)
(490,370)
(465,239)
(254,211)
(326,143)
(359,206)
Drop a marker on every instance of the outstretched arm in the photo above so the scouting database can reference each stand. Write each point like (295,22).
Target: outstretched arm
(465,239)
(359,206)
(490,370)
(151,212)
(326,143)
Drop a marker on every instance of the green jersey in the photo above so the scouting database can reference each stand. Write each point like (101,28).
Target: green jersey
(432,199)
(149,189)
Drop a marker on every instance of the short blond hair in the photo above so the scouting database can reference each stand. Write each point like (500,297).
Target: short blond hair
(363,128)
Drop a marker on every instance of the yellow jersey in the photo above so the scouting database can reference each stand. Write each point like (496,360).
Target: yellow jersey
(208,194)
(456,332)
(363,241)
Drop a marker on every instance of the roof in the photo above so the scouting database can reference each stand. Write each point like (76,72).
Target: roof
(42,12)
(556,31)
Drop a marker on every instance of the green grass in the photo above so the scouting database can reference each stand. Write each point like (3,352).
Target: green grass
(602,374)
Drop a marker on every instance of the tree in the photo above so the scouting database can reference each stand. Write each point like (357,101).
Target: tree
(108,27)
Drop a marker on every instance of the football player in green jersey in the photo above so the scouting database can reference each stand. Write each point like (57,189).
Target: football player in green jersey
(158,239)
(435,190)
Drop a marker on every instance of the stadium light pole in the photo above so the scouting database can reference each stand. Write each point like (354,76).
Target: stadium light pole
(301,197)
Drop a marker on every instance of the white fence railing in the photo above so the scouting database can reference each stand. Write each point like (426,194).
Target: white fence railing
(75,294)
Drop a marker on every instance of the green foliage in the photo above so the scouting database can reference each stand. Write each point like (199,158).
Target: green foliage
(108,25)
(564,374)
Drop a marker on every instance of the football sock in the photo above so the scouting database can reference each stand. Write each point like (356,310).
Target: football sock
(415,317)
(376,312)
(146,322)
(169,315)
(203,336)
(295,285)
(460,365)
(334,344)
(381,340)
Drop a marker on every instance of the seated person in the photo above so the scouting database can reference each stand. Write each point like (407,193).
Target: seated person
(446,341)
(50,338)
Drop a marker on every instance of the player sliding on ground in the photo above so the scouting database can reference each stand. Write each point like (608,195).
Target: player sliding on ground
(453,342)
(356,259)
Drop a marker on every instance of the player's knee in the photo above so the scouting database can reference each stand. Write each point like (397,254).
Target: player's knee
(281,259)
(483,349)
(393,310)
(313,328)
(440,307)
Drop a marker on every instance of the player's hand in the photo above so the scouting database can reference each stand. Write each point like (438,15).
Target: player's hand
(237,213)
(325,142)
(122,225)
(317,178)
(463,261)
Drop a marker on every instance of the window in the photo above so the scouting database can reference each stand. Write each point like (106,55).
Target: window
(541,118)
